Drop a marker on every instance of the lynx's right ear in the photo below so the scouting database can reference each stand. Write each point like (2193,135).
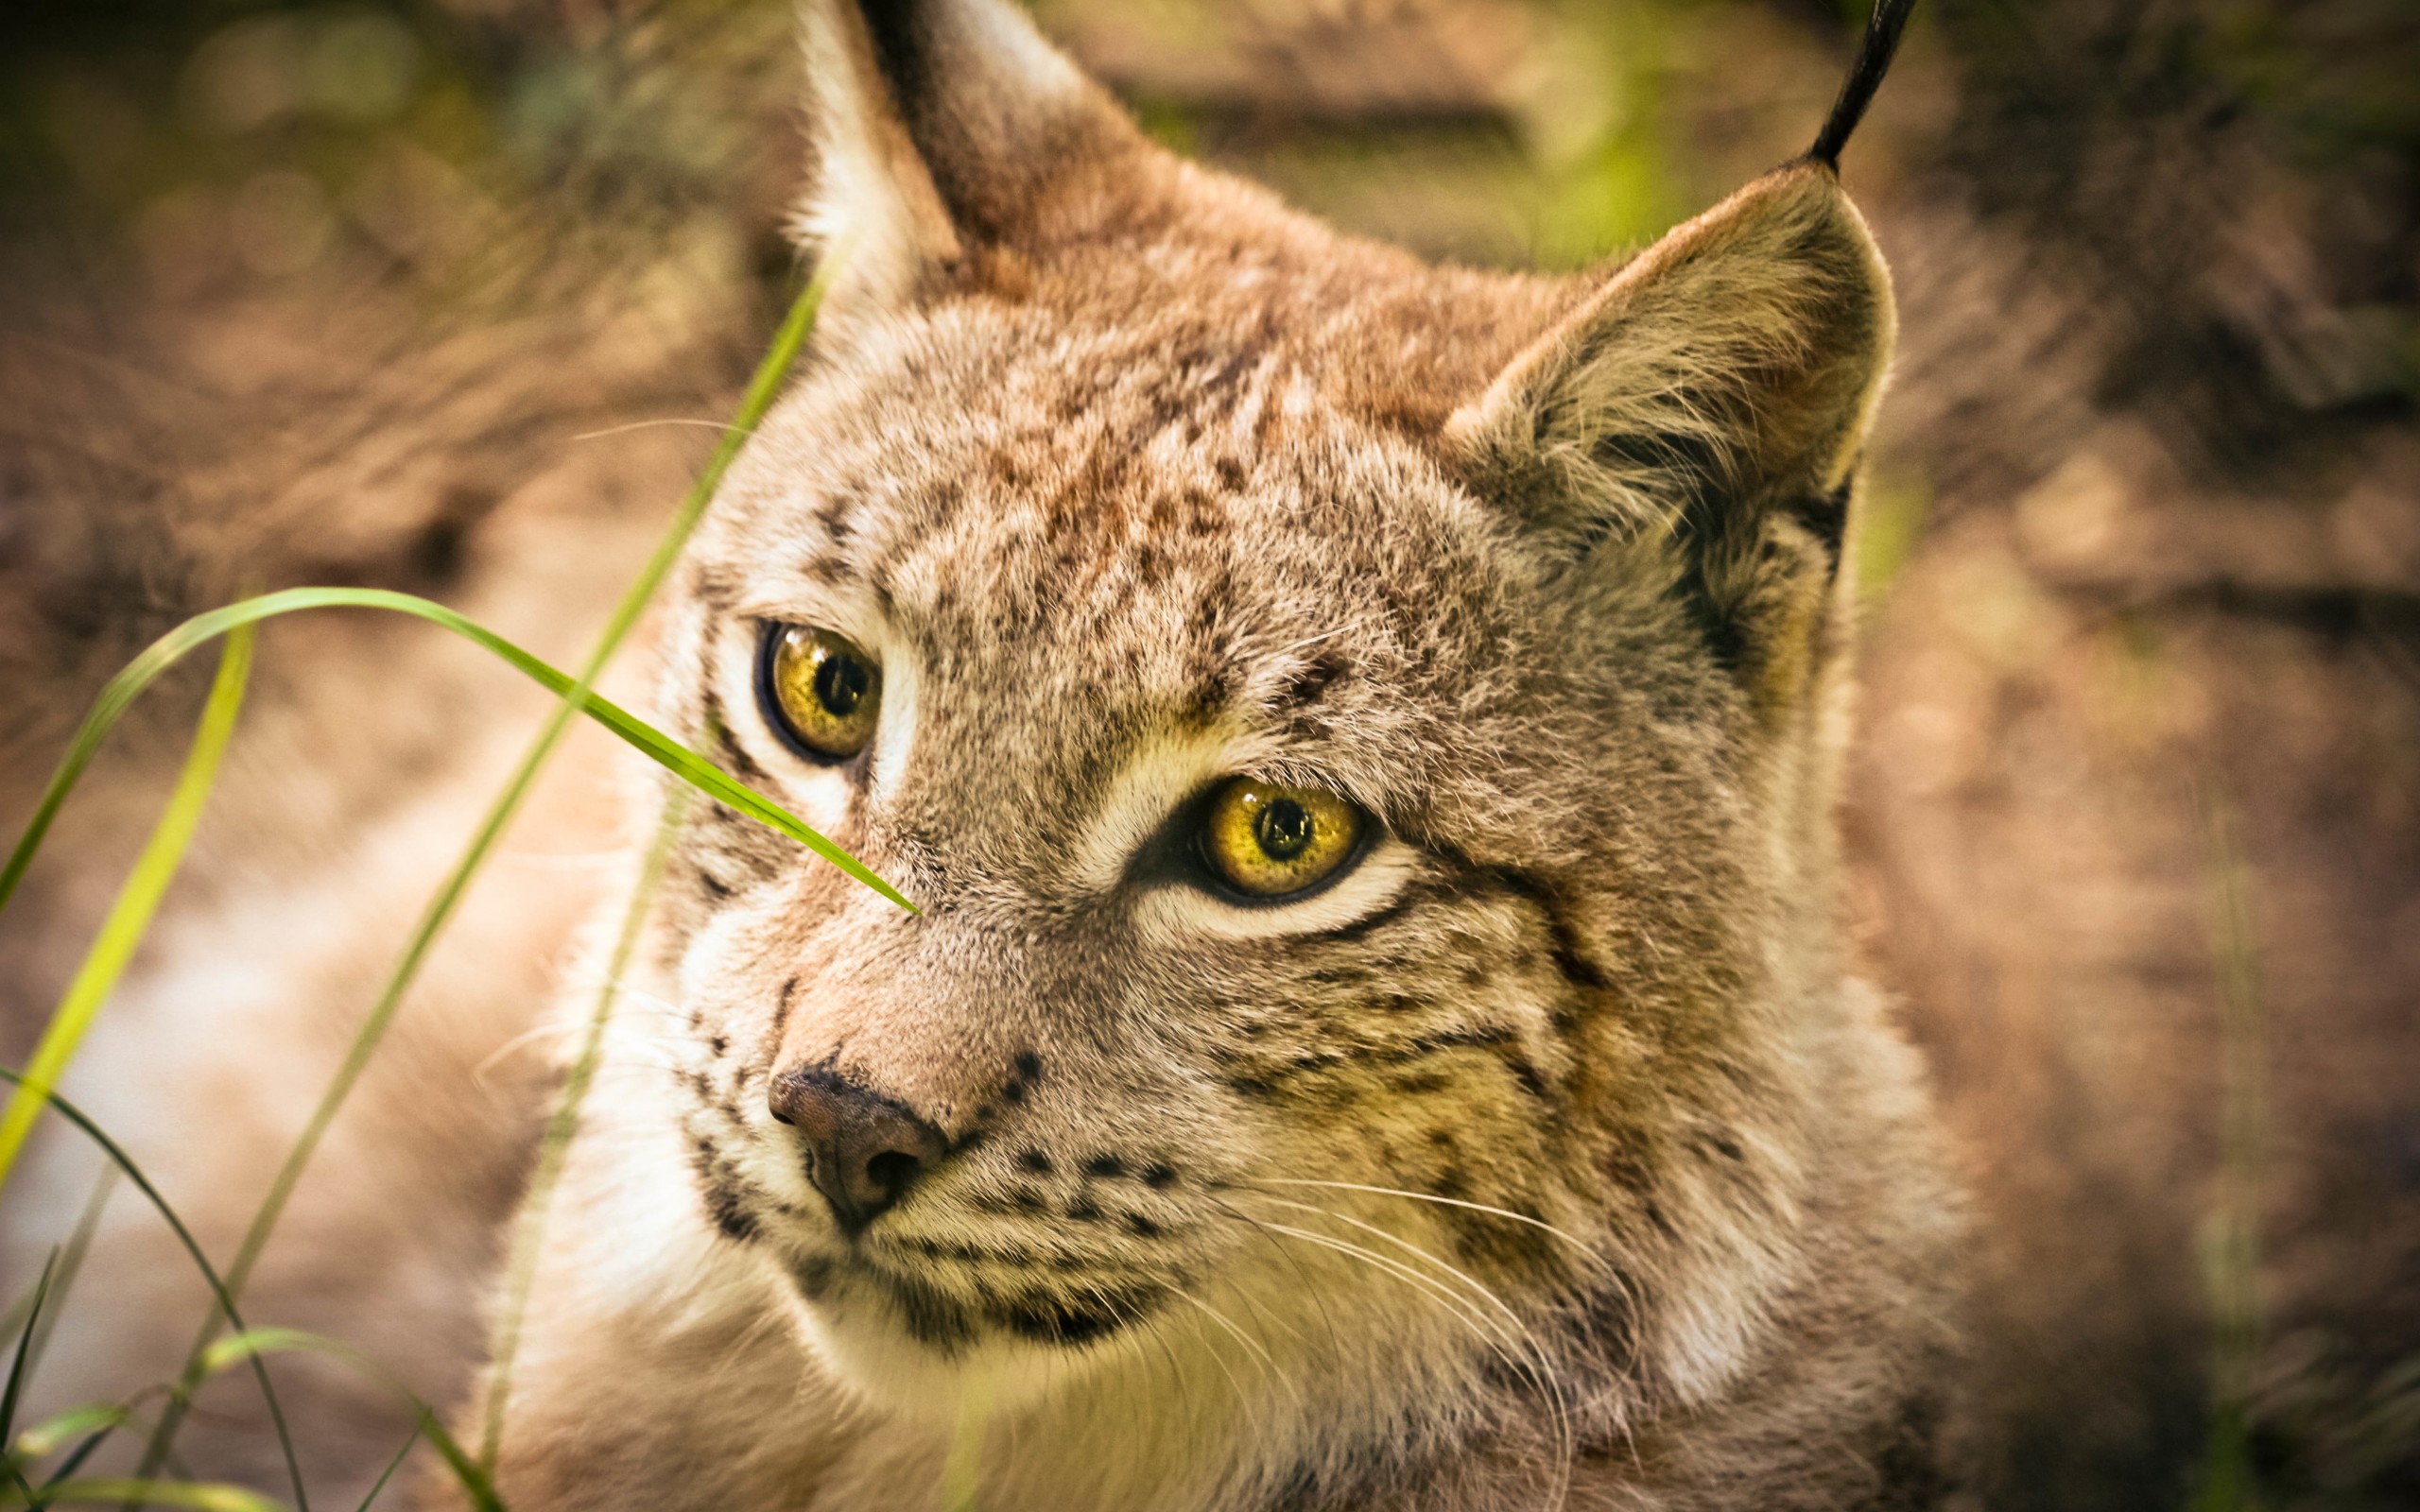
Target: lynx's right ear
(1698,414)
(942,129)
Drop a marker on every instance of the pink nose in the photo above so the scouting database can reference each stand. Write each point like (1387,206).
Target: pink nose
(863,1150)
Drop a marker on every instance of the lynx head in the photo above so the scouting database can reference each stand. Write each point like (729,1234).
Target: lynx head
(1356,733)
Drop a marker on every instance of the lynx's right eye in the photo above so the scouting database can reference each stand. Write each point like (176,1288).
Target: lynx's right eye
(819,692)
(1270,842)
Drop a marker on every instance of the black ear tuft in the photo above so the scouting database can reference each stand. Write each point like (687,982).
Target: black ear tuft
(941,129)
(1874,56)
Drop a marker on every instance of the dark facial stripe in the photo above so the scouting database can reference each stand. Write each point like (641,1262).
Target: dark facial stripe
(735,757)
(1501,1042)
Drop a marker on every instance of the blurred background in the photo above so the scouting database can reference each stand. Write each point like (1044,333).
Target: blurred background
(382,292)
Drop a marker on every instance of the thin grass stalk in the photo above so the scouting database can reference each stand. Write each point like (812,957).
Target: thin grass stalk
(2231,1243)
(762,391)
(71,1259)
(962,1468)
(530,1237)
(137,900)
(83,1123)
(389,1474)
(15,1388)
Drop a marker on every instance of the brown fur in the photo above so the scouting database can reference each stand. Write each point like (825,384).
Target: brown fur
(1133,479)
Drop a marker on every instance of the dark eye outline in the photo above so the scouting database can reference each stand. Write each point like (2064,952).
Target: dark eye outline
(768,699)
(1190,829)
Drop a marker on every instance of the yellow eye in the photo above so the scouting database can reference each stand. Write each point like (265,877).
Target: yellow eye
(1268,841)
(819,691)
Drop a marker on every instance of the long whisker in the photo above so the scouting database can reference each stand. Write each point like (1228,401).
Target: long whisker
(1250,1411)
(1485,1292)
(1318,1300)
(1457,1307)
(1585,1248)
(1267,1362)
(1543,1374)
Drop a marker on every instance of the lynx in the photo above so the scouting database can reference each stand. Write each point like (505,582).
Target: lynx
(1359,736)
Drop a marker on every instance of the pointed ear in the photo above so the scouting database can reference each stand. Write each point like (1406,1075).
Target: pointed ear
(1699,414)
(941,129)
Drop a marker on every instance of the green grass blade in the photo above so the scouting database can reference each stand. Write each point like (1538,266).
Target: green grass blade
(136,902)
(71,1259)
(97,1492)
(660,747)
(49,1436)
(226,1299)
(529,1236)
(389,1474)
(25,1341)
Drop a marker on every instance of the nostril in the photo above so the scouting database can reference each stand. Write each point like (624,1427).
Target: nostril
(862,1150)
(889,1172)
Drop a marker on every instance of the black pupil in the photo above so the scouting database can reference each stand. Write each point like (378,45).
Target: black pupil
(1283,829)
(840,683)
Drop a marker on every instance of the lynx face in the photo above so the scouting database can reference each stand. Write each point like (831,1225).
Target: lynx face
(1355,733)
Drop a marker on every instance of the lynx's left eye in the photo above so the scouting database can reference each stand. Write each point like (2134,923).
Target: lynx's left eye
(1268,841)
(820,693)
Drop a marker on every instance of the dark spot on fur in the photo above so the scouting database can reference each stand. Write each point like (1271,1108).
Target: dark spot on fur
(1105,1165)
(713,883)
(727,746)
(1083,1209)
(1827,516)
(1034,1161)
(1159,1177)
(1142,1227)
(814,1277)
(719,1044)
(1068,1321)
(930,1318)
(721,1194)
(1031,1199)
(1013,1092)
(1028,1065)
(1309,681)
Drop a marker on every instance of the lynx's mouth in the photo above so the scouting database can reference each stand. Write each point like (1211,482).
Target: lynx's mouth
(952,1309)
(954,1301)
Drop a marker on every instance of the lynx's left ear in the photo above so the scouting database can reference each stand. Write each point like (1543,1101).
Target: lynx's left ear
(944,130)
(1700,415)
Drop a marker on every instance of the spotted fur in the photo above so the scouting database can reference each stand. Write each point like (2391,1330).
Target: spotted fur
(1549,1155)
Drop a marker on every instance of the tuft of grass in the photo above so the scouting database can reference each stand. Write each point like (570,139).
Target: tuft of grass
(577,698)
(124,1162)
(35,1088)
